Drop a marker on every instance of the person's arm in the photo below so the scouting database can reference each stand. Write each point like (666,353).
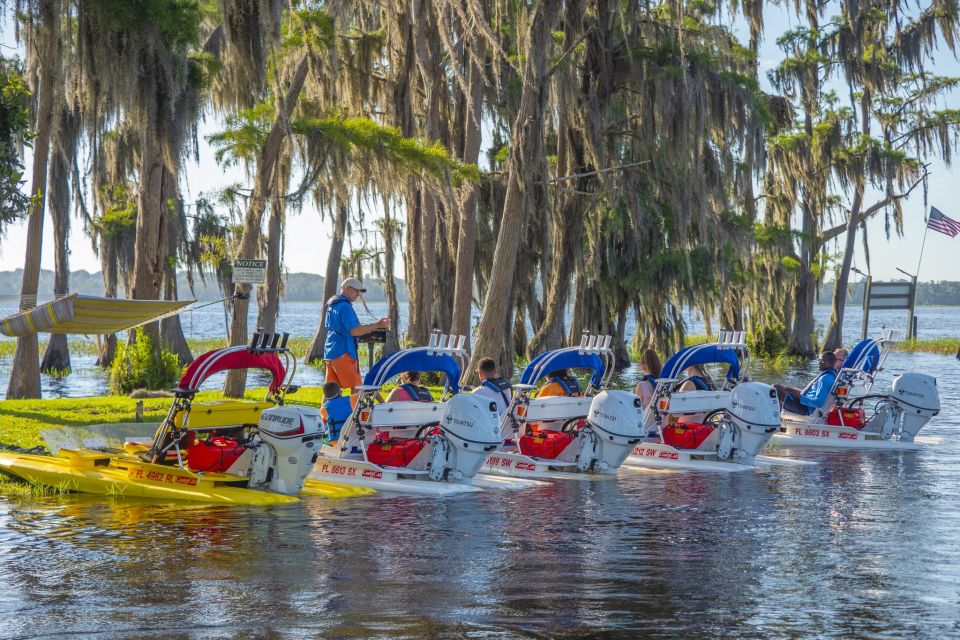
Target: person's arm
(397,394)
(816,396)
(364,329)
(689,385)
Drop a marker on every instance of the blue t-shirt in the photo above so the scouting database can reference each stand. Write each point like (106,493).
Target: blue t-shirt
(816,393)
(341,318)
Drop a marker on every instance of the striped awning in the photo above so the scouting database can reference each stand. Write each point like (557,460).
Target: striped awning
(88,315)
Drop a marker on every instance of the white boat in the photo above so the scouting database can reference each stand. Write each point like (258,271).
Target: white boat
(854,418)
(709,430)
(433,448)
(568,437)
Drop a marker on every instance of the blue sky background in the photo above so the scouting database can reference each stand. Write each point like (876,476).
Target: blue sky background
(307,237)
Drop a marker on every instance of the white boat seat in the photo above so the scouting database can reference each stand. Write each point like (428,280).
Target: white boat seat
(698,402)
(558,408)
(405,413)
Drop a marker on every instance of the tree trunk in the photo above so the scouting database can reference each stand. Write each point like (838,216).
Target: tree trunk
(315,350)
(56,359)
(107,346)
(250,240)
(390,285)
(267,320)
(25,369)
(526,146)
(152,220)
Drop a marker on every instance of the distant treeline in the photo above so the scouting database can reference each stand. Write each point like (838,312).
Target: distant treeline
(297,286)
(945,293)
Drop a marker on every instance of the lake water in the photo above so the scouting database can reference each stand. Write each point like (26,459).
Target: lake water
(864,544)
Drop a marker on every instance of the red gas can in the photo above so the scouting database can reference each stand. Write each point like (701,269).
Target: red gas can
(686,436)
(213,454)
(545,444)
(851,417)
(395,452)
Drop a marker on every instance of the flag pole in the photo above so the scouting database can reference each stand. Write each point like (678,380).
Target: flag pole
(923,244)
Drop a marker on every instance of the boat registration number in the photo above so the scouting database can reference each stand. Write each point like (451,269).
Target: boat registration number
(348,471)
(823,433)
(160,477)
(653,453)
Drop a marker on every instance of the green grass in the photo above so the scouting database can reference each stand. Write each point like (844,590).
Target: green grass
(943,346)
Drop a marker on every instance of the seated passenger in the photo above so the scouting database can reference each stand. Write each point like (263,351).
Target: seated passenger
(650,365)
(841,355)
(335,410)
(410,389)
(815,394)
(697,380)
(561,383)
(492,385)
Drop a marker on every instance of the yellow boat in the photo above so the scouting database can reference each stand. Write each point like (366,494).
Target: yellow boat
(87,471)
(226,452)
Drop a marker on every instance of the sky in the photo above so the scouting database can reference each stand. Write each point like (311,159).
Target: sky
(307,237)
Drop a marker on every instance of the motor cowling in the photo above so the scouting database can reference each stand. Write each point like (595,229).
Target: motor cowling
(289,440)
(916,397)
(754,413)
(471,430)
(615,426)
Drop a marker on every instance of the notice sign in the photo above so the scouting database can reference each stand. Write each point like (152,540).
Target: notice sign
(249,271)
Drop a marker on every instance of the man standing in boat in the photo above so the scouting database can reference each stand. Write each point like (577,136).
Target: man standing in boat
(343,330)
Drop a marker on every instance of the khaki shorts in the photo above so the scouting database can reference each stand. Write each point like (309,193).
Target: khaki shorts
(344,371)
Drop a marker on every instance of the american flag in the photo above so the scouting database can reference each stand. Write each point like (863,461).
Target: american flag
(944,224)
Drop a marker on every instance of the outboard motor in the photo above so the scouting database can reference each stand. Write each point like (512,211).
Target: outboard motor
(753,416)
(916,398)
(471,430)
(289,440)
(615,426)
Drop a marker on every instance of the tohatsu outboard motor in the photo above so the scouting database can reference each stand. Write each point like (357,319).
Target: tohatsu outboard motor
(614,427)
(914,399)
(289,439)
(469,431)
(752,417)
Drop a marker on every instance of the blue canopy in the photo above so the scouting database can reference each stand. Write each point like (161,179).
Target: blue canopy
(568,358)
(701,354)
(418,359)
(864,356)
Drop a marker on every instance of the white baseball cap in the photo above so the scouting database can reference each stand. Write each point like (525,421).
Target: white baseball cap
(353,283)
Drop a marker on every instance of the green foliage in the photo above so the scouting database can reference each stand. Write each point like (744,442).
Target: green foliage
(177,21)
(141,366)
(768,342)
(358,135)
(245,134)
(14,132)
(121,217)
(312,28)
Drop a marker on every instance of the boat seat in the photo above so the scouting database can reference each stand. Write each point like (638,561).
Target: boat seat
(557,408)
(698,402)
(405,413)
(222,413)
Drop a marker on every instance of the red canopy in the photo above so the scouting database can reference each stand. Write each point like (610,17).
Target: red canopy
(232,358)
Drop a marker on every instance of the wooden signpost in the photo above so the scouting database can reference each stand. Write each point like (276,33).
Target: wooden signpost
(890,295)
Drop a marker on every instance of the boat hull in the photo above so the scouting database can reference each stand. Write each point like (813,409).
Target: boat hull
(656,455)
(834,437)
(127,476)
(516,465)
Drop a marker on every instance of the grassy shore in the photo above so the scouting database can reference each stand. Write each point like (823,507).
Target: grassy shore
(944,346)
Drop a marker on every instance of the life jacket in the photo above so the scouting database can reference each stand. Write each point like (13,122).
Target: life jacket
(501,386)
(331,303)
(417,393)
(649,378)
(570,385)
(338,410)
(702,384)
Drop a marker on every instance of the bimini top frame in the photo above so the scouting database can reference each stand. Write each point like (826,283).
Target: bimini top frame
(593,353)
(445,354)
(730,348)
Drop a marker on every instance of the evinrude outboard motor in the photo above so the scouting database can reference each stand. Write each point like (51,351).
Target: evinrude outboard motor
(615,426)
(916,398)
(471,430)
(753,416)
(289,439)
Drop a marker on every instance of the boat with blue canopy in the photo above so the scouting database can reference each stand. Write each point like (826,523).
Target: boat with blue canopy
(569,435)
(711,427)
(434,447)
(854,418)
